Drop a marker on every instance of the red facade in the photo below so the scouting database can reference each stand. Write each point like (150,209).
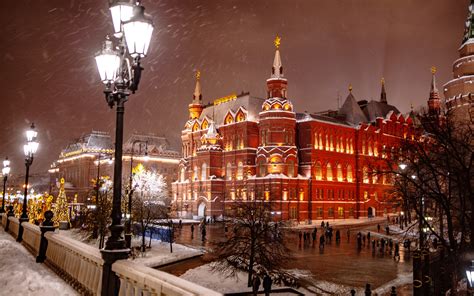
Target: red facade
(308,166)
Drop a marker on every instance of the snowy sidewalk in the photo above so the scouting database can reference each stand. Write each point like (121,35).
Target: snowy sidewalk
(342,222)
(21,275)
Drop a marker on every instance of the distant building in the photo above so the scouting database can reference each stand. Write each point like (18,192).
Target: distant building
(78,163)
(306,165)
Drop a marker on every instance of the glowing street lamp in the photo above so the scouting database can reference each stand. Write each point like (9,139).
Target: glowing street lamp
(5,173)
(29,149)
(470,275)
(402,166)
(120,71)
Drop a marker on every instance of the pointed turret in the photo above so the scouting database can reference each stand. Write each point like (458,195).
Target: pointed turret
(383,94)
(196,107)
(277,84)
(434,104)
(210,139)
(351,110)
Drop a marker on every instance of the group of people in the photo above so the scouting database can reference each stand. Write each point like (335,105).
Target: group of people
(305,238)
(384,245)
(267,284)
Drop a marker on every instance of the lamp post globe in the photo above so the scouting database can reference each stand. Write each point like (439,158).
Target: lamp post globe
(121,11)
(5,173)
(137,31)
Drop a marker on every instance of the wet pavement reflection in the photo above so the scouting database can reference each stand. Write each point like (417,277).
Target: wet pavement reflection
(342,263)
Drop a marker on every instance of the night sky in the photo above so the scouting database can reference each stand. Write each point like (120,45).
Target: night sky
(49,75)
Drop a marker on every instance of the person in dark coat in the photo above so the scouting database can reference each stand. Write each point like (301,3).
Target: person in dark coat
(314,237)
(322,224)
(321,242)
(267,284)
(255,284)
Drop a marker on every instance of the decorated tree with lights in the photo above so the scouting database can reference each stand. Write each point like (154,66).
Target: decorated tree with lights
(150,185)
(61,214)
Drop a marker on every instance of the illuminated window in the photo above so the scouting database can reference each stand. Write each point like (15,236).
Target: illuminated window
(376,197)
(291,168)
(366,195)
(301,196)
(181,177)
(337,144)
(276,106)
(320,141)
(340,178)
(204,124)
(228,119)
(316,144)
(327,143)
(349,173)
(266,107)
(204,171)
(340,212)
(376,149)
(287,107)
(195,127)
(262,170)
(195,173)
(318,171)
(240,116)
(328,172)
(365,175)
(229,171)
(369,148)
(331,147)
(363,146)
(240,171)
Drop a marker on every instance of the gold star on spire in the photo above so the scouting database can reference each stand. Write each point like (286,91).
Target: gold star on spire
(382,81)
(350,87)
(433,69)
(277,42)
(198,75)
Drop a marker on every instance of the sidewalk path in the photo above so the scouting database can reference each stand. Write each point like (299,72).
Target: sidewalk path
(21,275)
(342,222)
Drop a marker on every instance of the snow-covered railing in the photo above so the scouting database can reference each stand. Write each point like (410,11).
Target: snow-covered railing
(4,220)
(31,236)
(137,279)
(14,226)
(78,263)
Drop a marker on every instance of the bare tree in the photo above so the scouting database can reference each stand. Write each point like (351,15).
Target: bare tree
(254,243)
(433,173)
(145,213)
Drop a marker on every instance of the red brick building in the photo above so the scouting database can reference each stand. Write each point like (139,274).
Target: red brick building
(307,165)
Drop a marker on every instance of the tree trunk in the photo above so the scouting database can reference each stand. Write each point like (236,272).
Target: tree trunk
(143,238)
(251,262)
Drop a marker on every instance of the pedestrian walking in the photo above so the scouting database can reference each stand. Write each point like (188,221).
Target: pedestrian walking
(203,233)
(368,236)
(396,254)
(327,224)
(267,284)
(255,284)
(321,242)
(314,237)
(180,223)
(378,227)
(387,230)
(338,236)
(300,235)
(192,231)
(322,224)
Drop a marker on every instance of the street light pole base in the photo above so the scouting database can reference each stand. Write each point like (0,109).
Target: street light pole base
(20,229)
(128,240)
(110,281)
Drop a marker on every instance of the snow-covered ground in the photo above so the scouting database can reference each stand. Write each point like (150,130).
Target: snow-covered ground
(204,276)
(340,222)
(21,275)
(159,253)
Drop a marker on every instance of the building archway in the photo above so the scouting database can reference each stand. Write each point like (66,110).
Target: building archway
(371,212)
(202,209)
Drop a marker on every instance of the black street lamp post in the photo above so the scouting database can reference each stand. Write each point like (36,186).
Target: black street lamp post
(5,172)
(30,149)
(121,77)
(131,189)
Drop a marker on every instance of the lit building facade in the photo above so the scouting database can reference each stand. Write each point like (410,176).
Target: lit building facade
(92,154)
(308,166)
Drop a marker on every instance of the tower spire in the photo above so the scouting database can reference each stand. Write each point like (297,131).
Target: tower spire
(383,94)
(197,98)
(277,69)
(434,105)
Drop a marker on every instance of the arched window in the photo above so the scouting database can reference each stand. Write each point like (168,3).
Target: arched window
(240,171)
(365,175)
(316,144)
(376,149)
(369,148)
(204,172)
(291,168)
(318,171)
(375,177)
(228,172)
(352,146)
(328,172)
(349,173)
(181,176)
(337,144)
(363,146)
(332,143)
(262,169)
(327,143)
(195,173)
(340,178)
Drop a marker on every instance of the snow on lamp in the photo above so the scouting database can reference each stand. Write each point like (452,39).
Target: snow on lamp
(470,274)
(121,11)
(138,32)
(108,62)
(6,167)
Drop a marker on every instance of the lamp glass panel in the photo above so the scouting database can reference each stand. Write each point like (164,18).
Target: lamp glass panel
(26,149)
(6,163)
(33,147)
(121,12)
(108,65)
(31,134)
(138,37)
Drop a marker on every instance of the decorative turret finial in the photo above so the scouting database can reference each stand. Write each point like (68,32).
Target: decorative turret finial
(350,88)
(383,94)
(434,89)
(277,42)
(198,75)
(433,70)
